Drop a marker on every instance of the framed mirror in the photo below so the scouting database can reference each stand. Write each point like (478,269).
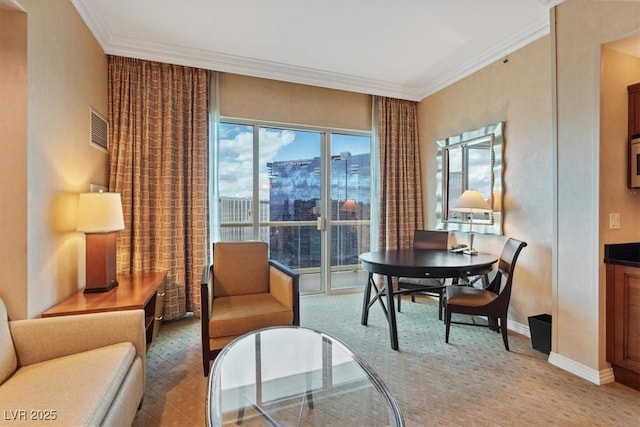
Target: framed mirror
(470,160)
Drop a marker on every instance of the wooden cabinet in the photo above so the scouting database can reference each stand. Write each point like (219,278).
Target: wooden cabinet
(623,323)
(634,109)
(633,140)
(143,291)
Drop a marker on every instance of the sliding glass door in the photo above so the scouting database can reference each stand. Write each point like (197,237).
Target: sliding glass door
(350,207)
(313,193)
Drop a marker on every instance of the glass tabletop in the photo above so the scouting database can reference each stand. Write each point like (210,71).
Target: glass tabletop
(291,376)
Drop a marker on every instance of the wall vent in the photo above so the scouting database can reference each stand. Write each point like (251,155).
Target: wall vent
(99,131)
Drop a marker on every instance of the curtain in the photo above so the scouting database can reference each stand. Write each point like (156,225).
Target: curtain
(159,163)
(400,189)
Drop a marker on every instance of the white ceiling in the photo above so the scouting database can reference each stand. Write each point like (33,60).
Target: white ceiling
(403,49)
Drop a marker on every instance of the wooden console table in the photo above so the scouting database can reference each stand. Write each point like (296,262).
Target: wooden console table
(143,291)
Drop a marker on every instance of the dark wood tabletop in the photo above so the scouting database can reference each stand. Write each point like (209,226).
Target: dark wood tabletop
(415,263)
(425,263)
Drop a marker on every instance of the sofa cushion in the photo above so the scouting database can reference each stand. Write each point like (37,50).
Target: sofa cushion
(79,388)
(240,314)
(8,360)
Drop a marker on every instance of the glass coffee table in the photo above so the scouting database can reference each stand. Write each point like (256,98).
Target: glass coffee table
(292,376)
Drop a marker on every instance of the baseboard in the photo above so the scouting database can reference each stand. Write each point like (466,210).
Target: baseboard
(604,376)
(518,328)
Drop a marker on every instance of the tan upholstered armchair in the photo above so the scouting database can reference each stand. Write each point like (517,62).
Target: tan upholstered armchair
(243,291)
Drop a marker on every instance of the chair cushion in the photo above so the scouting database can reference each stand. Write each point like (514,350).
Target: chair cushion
(468,296)
(237,315)
(8,359)
(86,382)
(240,268)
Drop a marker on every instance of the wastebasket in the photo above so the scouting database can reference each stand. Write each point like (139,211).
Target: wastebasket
(540,329)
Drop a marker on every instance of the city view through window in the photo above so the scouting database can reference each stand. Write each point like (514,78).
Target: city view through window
(289,193)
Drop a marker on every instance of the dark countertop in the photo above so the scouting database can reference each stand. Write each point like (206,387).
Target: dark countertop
(623,254)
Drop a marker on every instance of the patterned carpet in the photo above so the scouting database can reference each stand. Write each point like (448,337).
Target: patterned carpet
(470,381)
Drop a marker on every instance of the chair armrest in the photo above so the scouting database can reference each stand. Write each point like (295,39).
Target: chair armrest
(37,340)
(284,286)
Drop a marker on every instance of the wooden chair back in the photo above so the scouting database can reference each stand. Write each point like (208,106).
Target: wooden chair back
(430,239)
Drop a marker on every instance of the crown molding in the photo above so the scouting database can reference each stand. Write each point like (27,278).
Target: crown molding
(498,52)
(114,45)
(256,68)
(11,5)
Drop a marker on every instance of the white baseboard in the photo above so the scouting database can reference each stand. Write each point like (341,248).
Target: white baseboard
(604,376)
(518,328)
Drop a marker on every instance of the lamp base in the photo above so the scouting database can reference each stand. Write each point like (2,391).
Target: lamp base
(470,250)
(100,262)
(97,289)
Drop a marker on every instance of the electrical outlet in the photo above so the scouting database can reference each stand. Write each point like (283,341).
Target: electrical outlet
(614,220)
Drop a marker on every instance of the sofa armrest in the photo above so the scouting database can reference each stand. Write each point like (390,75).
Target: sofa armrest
(37,340)
(284,286)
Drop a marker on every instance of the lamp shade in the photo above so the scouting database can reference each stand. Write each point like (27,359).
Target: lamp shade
(471,201)
(100,213)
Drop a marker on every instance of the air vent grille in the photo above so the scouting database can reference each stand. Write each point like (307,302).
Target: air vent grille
(99,131)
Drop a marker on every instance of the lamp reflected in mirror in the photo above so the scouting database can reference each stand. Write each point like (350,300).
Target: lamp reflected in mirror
(471,202)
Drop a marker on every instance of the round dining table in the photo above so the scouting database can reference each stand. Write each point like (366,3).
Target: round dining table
(418,263)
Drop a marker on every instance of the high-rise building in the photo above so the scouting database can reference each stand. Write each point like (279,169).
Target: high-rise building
(295,194)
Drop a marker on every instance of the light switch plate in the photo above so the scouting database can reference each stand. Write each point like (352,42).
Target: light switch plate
(614,220)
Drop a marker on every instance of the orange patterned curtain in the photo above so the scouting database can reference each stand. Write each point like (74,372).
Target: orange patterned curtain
(400,190)
(159,155)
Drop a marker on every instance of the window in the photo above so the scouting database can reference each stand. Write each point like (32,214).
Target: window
(295,177)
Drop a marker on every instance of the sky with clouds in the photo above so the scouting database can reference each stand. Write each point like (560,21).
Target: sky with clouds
(236,154)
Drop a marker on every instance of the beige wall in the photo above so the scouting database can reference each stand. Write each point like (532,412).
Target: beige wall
(269,100)
(579,324)
(13,160)
(518,93)
(565,159)
(618,71)
(67,73)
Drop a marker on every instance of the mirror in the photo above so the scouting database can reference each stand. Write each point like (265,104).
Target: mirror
(470,160)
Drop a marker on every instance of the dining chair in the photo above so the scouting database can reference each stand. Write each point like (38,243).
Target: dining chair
(492,301)
(425,240)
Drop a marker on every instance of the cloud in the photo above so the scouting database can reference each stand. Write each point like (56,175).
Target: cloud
(236,157)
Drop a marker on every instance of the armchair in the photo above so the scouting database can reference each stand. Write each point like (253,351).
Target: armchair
(243,291)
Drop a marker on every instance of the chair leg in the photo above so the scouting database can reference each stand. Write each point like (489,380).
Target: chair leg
(206,365)
(503,329)
(413,297)
(399,302)
(447,316)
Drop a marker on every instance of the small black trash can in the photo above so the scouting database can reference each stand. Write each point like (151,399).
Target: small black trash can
(540,329)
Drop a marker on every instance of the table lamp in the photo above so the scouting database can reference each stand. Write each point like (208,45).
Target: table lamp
(471,201)
(100,218)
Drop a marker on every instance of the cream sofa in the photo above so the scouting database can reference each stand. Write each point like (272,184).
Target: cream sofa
(83,370)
